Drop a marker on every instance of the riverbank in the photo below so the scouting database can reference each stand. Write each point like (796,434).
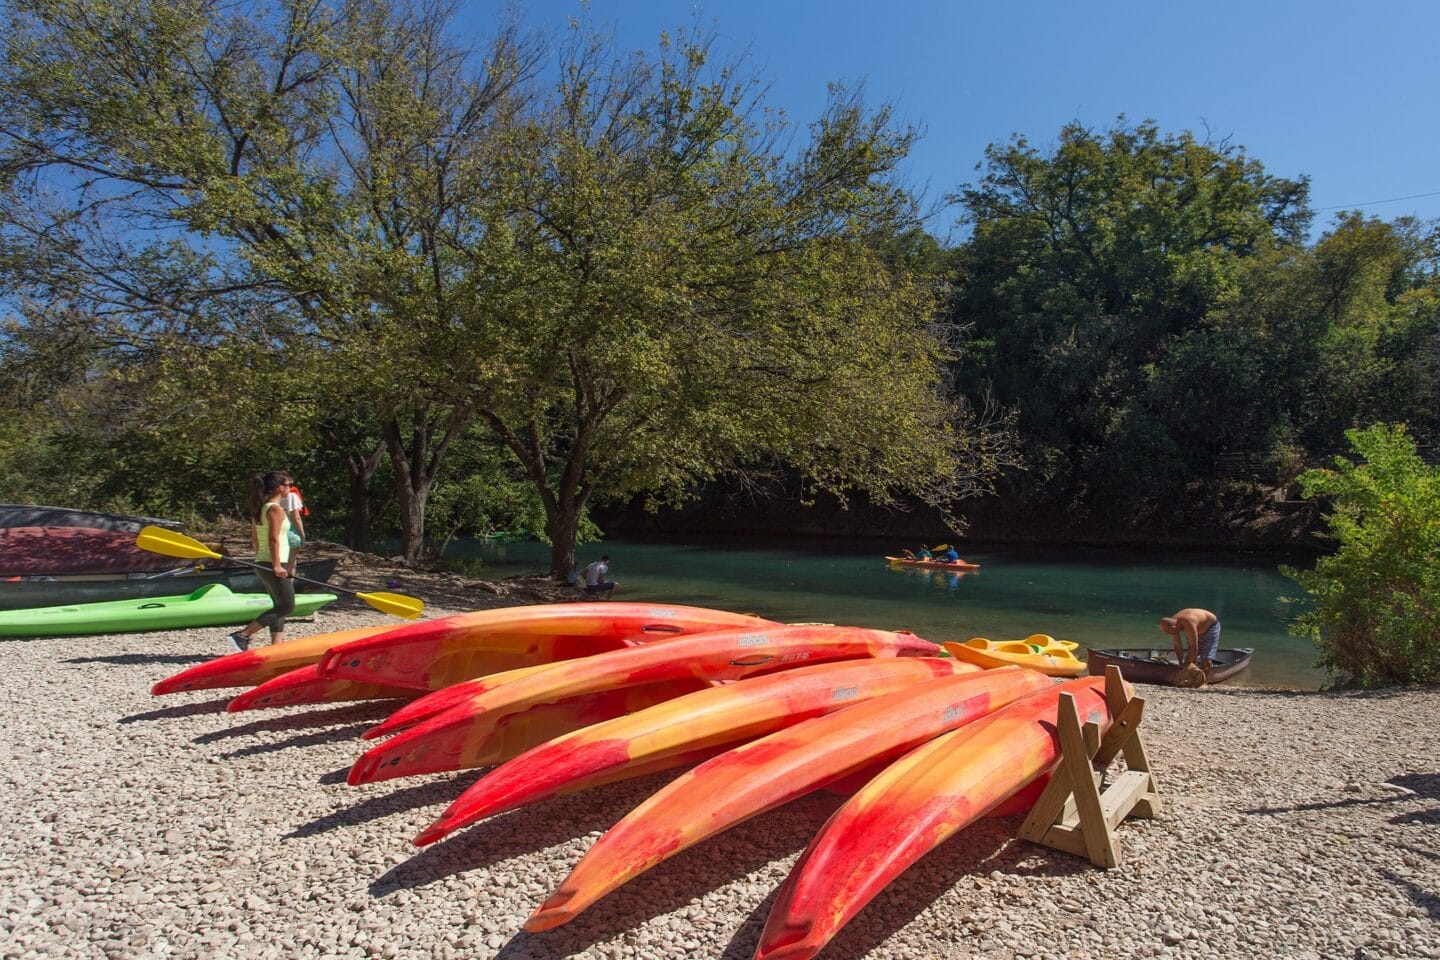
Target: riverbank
(1295,824)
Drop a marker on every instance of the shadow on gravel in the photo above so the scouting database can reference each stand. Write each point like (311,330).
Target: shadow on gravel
(312,739)
(348,714)
(1421,897)
(686,877)
(978,850)
(129,659)
(175,713)
(500,838)
(1422,786)
(430,793)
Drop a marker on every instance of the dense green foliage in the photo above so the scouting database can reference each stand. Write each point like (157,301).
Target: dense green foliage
(1376,613)
(1146,304)
(457,290)
(629,279)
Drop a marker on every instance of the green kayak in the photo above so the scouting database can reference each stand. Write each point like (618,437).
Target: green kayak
(212,605)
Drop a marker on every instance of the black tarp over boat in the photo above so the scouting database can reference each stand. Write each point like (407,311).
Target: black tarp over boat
(35,515)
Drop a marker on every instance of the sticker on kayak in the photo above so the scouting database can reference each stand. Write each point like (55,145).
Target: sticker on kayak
(844,693)
(663,612)
(754,640)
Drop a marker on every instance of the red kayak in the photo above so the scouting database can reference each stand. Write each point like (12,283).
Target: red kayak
(912,807)
(60,551)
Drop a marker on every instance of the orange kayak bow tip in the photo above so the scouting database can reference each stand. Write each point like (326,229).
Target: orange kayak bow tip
(551,914)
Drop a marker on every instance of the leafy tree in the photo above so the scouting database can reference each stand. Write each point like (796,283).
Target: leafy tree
(1376,613)
(627,282)
(1087,264)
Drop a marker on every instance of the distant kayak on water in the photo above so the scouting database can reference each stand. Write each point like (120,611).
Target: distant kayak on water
(932,564)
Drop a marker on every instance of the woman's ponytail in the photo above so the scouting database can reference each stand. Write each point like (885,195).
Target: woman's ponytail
(262,487)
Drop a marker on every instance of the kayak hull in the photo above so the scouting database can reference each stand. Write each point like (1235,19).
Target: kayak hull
(914,805)
(439,653)
(51,551)
(259,663)
(515,733)
(304,686)
(53,591)
(765,773)
(1054,660)
(210,606)
(712,717)
(932,564)
(467,712)
(1153,665)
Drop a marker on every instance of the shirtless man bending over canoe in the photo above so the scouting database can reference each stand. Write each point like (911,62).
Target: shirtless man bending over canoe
(1201,632)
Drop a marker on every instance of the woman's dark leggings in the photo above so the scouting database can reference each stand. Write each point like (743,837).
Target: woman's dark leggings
(282,592)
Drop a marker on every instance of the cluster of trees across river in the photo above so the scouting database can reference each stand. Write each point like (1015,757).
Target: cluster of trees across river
(458,287)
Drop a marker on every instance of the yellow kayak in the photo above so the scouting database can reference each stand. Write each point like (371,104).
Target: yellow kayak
(1054,658)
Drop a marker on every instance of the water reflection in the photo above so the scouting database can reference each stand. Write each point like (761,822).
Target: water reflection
(1098,599)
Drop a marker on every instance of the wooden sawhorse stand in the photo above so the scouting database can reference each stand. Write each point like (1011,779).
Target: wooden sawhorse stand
(1072,813)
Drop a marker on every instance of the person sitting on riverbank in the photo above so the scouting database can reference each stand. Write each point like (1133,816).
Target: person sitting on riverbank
(1195,634)
(596,581)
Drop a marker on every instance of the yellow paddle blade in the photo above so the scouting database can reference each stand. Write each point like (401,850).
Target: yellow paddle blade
(173,544)
(395,604)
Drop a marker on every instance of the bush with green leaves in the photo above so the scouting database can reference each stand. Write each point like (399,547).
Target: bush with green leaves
(1376,610)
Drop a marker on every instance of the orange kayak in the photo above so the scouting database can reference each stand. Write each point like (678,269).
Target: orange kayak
(932,564)
(453,725)
(438,653)
(765,773)
(712,717)
(447,650)
(1054,659)
(249,667)
(304,686)
(909,809)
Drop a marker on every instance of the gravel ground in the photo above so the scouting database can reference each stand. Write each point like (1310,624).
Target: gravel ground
(1294,825)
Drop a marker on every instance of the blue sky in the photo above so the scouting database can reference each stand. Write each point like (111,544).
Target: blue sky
(1346,92)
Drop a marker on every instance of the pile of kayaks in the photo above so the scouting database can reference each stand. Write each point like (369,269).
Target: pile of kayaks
(559,698)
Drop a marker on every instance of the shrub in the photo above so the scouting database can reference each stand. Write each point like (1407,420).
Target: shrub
(1376,612)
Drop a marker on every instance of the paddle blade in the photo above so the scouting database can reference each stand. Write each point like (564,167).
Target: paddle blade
(395,604)
(173,544)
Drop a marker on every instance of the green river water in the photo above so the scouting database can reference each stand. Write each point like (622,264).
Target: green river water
(1101,600)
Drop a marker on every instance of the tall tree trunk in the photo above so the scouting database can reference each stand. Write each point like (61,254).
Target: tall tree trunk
(359,468)
(414,467)
(562,526)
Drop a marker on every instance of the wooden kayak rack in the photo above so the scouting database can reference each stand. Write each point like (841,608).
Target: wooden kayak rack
(1073,813)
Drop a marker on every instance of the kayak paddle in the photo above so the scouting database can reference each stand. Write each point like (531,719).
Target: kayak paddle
(173,544)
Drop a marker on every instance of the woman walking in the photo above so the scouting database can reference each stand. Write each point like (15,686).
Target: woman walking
(269,529)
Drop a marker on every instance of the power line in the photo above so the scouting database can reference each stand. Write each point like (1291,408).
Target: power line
(1371,203)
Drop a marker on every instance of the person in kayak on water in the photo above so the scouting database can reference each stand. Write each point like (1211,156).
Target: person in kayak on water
(595,575)
(268,528)
(1195,634)
(950,555)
